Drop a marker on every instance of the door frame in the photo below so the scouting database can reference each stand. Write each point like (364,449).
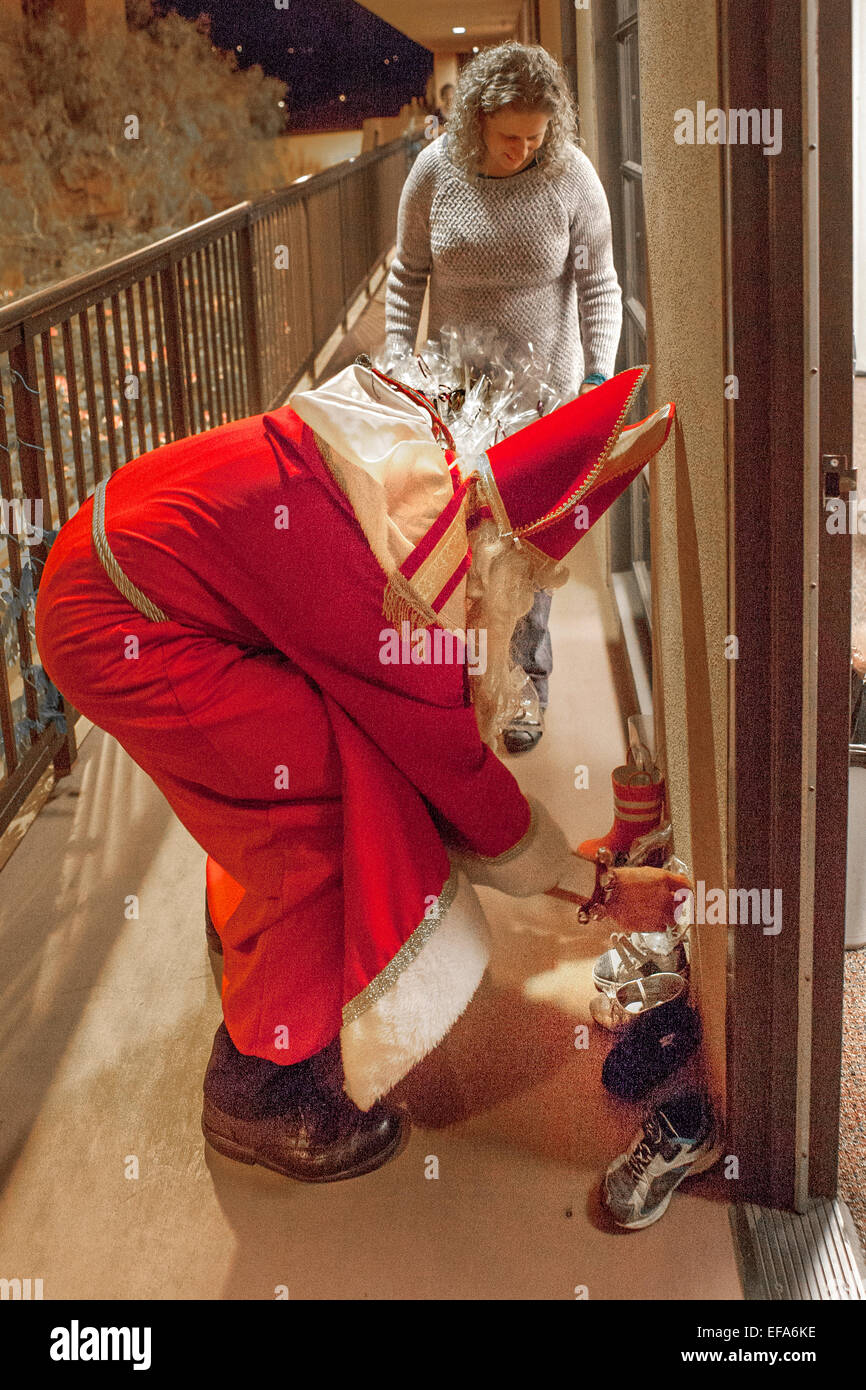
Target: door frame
(789,332)
(836,436)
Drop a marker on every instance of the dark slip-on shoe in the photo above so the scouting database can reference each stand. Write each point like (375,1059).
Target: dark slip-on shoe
(523,733)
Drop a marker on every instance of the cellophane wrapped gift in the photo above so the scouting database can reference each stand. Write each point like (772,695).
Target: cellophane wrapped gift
(483,396)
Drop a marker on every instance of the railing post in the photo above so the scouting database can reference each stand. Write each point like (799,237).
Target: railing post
(174,347)
(344,322)
(28,422)
(34,482)
(68,750)
(308,277)
(250,314)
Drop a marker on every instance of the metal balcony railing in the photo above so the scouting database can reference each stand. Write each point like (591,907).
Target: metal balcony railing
(213,323)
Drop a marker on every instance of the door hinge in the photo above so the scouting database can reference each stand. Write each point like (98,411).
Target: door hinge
(837,477)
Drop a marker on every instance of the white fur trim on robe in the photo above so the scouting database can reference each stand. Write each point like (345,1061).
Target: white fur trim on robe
(399,1029)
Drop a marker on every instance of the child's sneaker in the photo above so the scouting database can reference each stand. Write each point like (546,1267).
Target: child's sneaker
(680,1137)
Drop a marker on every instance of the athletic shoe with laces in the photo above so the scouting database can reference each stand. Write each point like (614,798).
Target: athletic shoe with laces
(679,1138)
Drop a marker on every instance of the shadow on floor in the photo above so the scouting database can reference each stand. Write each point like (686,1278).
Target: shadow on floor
(73,902)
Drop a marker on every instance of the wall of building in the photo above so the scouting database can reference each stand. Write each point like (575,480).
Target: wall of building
(679,67)
(587,103)
(379,130)
(444,71)
(550,27)
(858,164)
(526,30)
(311,151)
(586,83)
(682,205)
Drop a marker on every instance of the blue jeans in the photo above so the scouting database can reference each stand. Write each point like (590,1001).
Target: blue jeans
(531,647)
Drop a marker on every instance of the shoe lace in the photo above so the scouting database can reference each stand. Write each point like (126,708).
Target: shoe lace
(642,1154)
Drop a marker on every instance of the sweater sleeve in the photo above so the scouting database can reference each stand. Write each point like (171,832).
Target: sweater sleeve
(410,268)
(599,296)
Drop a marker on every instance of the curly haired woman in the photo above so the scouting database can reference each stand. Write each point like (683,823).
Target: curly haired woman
(507,219)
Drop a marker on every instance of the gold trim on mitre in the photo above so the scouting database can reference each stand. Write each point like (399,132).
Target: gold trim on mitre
(592,478)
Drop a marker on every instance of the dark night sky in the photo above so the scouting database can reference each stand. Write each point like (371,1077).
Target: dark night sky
(338,47)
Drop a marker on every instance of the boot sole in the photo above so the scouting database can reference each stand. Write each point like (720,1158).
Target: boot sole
(229,1149)
(524,747)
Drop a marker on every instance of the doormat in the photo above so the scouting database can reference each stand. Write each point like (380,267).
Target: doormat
(798,1255)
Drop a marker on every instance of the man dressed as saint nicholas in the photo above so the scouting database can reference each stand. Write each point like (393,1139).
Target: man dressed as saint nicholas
(227,607)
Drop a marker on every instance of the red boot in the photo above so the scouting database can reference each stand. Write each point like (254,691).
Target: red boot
(638,804)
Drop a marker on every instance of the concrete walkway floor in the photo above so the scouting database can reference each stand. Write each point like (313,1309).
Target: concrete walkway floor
(107,1021)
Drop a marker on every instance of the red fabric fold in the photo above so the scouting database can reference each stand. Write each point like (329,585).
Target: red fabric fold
(272,658)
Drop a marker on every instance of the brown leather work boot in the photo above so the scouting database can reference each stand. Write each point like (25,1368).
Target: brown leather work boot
(295,1120)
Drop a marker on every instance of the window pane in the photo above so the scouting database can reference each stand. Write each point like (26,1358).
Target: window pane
(635,241)
(640,539)
(641,518)
(635,354)
(629,95)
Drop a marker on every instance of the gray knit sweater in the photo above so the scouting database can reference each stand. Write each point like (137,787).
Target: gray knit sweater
(529,255)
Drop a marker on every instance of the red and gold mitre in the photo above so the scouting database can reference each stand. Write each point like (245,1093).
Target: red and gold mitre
(544,486)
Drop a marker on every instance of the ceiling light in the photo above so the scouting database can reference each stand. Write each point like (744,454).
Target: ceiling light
(458,29)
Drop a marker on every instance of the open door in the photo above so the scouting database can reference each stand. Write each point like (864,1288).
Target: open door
(789,304)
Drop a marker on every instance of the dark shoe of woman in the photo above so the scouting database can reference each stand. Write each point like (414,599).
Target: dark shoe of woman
(523,733)
(294,1119)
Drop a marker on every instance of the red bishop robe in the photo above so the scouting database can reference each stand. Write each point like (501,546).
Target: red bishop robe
(352,799)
